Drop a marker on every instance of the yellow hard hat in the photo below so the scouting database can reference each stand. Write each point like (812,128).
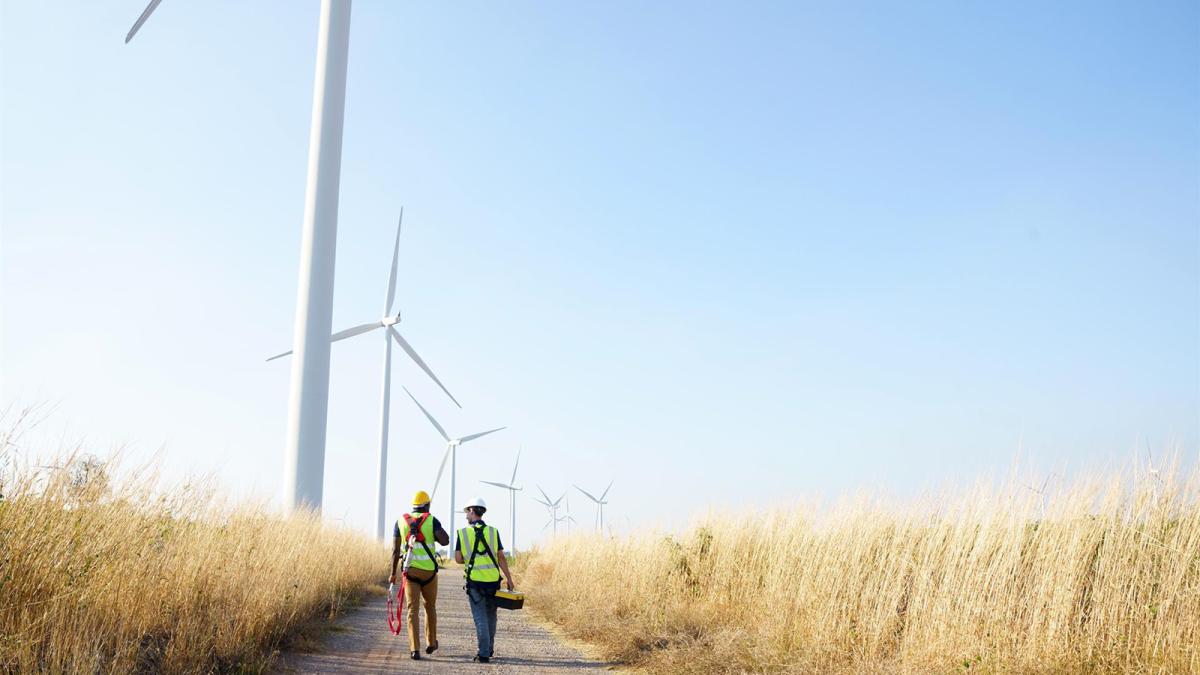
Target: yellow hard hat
(421,498)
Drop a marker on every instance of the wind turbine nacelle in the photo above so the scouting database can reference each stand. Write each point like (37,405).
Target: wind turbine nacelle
(391,320)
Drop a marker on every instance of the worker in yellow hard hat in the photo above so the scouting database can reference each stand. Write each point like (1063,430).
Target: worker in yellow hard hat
(414,539)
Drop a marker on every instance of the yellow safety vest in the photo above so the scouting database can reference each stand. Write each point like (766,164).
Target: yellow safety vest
(483,569)
(417,557)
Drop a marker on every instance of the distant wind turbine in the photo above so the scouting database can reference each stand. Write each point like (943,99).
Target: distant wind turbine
(451,453)
(390,333)
(512,501)
(568,519)
(599,504)
(552,506)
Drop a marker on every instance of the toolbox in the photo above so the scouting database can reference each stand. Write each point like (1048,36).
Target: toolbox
(509,599)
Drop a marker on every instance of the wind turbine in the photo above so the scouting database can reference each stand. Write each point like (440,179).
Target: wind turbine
(552,506)
(599,504)
(569,518)
(308,406)
(451,452)
(512,501)
(390,333)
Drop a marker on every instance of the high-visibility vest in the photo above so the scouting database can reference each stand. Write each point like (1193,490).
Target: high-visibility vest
(417,557)
(483,569)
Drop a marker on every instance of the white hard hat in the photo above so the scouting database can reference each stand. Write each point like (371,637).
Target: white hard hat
(476,502)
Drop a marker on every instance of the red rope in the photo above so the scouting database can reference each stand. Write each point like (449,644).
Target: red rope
(395,622)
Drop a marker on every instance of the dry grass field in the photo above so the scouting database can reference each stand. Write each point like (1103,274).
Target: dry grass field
(1100,576)
(97,577)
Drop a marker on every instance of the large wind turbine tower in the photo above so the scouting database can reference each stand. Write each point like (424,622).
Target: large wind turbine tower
(304,453)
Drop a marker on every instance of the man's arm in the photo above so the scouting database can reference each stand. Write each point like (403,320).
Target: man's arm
(395,558)
(508,581)
(458,554)
(439,534)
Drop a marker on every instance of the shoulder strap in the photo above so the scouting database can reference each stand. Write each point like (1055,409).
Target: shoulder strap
(425,545)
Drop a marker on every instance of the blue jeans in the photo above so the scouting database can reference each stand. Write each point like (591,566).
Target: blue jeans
(483,611)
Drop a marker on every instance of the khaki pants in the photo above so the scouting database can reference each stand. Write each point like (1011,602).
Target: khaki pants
(413,592)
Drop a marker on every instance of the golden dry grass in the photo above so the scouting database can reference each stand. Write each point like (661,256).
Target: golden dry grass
(103,578)
(1102,577)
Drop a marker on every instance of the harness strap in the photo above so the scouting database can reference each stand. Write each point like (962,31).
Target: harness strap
(418,582)
(395,612)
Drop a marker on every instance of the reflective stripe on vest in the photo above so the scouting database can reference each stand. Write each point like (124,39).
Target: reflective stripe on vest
(417,557)
(484,569)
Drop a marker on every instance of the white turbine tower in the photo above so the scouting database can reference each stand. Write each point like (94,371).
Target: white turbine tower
(451,452)
(512,502)
(304,454)
(390,333)
(552,506)
(599,504)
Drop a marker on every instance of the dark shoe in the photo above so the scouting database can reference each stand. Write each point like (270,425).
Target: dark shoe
(481,659)
(432,648)
(415,656)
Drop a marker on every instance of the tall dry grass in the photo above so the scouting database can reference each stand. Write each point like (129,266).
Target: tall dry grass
(1104,576)
(99,575)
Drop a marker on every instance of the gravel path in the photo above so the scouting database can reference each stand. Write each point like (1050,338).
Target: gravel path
(360,642)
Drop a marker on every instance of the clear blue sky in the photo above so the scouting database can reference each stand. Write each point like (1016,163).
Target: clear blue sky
(726,253)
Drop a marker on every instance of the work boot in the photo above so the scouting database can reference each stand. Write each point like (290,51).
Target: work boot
(481,659)
(432,648)
(415,656)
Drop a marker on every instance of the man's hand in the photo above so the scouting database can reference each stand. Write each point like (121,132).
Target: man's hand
(508,583)
(392,579)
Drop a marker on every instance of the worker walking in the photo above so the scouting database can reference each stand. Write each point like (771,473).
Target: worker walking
(414,539)
(480,551)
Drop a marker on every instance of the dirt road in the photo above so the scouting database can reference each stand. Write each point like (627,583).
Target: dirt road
(361,643)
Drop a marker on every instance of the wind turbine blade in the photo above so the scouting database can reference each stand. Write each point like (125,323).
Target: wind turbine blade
(391,292)
(472,437)
(559,500)
(137,25)
(544,495)
(413,354)
(435,423)
(605,493)
(589,495)
(547,524)
(501,485)
(513,480)
(341,335)
(441,468)
(357,330)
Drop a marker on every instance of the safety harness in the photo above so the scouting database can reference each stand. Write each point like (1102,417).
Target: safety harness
(414,532)
(479,539)
(395,610)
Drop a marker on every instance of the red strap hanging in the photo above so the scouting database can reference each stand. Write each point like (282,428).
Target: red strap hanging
(395,622)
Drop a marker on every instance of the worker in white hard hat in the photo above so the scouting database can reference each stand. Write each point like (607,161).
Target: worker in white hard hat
(481,552)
